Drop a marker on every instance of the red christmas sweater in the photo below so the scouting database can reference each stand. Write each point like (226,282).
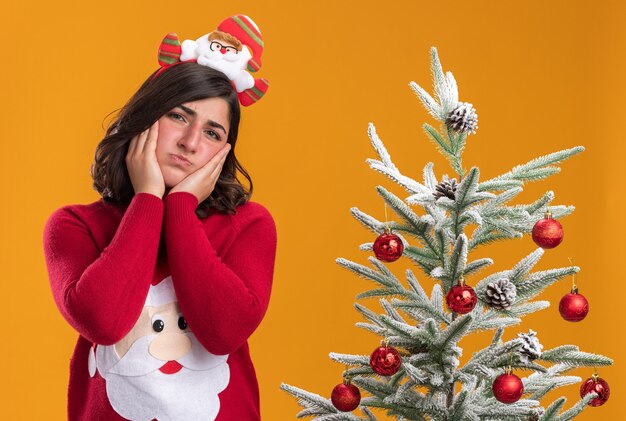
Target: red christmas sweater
(102,259)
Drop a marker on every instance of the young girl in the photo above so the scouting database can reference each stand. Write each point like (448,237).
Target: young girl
(168,274)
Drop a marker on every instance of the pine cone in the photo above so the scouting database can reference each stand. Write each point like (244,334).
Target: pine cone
(463,118)
(446,188)
(531,348)
(500,294)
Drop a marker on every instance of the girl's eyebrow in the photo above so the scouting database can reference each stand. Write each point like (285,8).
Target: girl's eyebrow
(210,123)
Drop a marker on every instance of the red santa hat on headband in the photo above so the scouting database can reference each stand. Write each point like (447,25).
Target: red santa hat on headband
(245,30)
(233,60)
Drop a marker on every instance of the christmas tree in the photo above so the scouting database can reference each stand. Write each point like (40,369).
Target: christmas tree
(416,372)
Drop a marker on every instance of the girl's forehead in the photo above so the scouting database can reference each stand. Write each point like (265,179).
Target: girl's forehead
(206,104)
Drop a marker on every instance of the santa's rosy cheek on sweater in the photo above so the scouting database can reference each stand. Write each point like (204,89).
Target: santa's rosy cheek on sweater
(189,136)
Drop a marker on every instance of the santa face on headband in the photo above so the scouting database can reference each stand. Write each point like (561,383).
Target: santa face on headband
(159,370)
(223,52)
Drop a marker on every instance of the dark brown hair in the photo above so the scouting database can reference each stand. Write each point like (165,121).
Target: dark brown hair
(179,84)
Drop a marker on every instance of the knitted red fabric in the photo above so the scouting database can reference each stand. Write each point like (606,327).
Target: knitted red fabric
(101,259)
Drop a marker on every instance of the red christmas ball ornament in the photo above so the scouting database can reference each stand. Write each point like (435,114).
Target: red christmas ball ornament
(388,247)
(573,306)
(547,232)
(598,385)
(461,298)
(346,396)
(507,387)
(385,360)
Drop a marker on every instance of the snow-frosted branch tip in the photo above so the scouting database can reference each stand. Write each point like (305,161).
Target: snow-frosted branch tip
(433,108)
(371,132)
(371,128)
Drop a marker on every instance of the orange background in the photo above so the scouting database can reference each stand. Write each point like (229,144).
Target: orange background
(543,76)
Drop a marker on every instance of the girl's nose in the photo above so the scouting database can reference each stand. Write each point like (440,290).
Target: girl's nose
(190,139)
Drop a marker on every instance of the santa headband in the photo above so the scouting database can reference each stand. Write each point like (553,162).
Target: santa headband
(226,49)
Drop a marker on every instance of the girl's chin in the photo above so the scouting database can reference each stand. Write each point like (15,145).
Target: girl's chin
(171,180)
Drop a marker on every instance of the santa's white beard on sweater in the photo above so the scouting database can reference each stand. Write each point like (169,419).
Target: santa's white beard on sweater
(138,391)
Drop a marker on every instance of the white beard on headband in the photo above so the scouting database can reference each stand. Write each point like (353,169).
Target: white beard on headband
(138,385)
(231,64)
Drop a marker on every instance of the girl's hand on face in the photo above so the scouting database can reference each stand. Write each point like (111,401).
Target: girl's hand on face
(141,162)
(202,181)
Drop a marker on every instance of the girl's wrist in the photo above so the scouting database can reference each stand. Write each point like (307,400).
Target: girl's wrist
(160,196)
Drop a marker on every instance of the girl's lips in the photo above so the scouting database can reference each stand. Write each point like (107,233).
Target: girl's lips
(179,159)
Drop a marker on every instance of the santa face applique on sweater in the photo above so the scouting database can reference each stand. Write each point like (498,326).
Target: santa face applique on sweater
(159,370)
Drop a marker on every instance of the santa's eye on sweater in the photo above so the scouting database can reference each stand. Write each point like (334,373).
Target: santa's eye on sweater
(158,325)
(182,323)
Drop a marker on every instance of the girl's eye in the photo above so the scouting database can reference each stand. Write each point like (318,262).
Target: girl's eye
(176,116)
(213,134)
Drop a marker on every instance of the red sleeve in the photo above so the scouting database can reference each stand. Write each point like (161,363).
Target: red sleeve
(101,294)
(223,299)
